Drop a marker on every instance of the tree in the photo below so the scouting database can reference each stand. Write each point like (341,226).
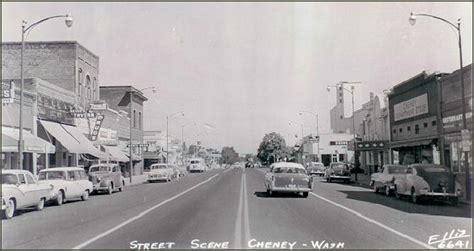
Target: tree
(273,148)
(229,155)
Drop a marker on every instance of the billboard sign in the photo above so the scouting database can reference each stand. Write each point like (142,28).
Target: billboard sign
(411,108)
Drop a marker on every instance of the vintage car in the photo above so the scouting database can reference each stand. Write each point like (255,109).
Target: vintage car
(197,165)
(21,190)
(385,179)
(67,183)
(106,177)
(338,171)
(428,181)
(288,177)
(160,172)
(316,168)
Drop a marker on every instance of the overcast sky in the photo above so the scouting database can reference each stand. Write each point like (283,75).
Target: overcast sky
(248,68)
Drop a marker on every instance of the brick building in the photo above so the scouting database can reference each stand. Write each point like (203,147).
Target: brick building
(66,64)
(118,100)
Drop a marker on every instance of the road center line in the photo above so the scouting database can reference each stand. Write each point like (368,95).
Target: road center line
(82,245)
(246,213)
(238,218)
(375,222)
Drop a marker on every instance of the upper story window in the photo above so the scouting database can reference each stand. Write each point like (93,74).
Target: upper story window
(79,88)
(88,87)
(139,120)
(94,89)
(417,129)
(134,118)
(80,76)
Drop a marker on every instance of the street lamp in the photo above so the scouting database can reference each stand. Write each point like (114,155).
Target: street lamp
(167,131)
(24,29)
(412,21)
(153,89)
(340,86)
(317,126)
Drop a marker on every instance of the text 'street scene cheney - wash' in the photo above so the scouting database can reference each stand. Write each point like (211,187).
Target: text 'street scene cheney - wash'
(236,125)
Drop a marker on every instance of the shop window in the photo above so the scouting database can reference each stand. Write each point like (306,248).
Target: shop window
(341,157)
(433,123)
(417,129)
(425,125)
(334,158)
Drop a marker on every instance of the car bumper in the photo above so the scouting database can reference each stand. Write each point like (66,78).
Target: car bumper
(438,195)
(4,204)
(340,177)
(291,189)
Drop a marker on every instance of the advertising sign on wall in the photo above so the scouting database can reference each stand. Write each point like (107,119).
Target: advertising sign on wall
(53,109)
(411,108)
(8,92)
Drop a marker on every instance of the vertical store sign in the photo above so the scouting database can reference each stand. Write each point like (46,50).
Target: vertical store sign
(98,124)
(8,92)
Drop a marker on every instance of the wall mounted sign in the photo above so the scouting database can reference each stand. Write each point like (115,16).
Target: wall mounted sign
(411,108)
(8,92)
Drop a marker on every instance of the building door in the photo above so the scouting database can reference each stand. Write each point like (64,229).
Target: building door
(326,159)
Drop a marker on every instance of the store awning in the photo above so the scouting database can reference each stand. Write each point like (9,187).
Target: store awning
(116,154)
(134,157)
(72,139)
(32,144)
(411,143)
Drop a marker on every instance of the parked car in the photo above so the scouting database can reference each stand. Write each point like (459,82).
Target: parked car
(21,190)
(338,171)
(385,179)
(160,172)
(428,181)
(316,168)
(288,177)
(106,177)
(67,183)
(197,165)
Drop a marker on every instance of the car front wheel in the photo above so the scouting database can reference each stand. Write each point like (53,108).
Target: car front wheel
(10,209)
(110,189)
(414,198)
(387,191)
(40,205)
(60,198)
(305,194)
(85,195)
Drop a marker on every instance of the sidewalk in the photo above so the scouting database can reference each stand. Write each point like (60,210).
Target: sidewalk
(363,180)
(136,180)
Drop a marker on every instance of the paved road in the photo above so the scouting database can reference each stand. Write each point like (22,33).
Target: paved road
(229,208)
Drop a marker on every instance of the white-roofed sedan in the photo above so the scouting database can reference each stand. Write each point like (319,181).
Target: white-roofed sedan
(288,177)
(21,190)
(67,183)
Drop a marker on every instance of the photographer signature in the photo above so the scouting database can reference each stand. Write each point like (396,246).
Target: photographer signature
(450,239)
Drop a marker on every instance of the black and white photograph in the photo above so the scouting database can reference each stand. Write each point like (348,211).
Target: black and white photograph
(236,125)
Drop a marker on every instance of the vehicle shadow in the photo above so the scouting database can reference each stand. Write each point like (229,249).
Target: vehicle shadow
(403,204)
(277,195)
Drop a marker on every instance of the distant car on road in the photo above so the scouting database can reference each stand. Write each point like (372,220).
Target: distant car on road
(106,177)
(67,183)
(249,164)
(428,181)
(197,165)
(20,190)
(316,168)
(338,171)
(385,179)
(289,178)
(161,172)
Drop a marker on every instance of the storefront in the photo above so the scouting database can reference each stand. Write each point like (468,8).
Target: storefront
(374,154)
(457,142)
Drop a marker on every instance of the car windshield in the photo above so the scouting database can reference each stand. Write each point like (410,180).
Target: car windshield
(288,170)
(338,166)
(397,169)
(154,167)
(52,175)
(435,169)
(99,169)
(9,179)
